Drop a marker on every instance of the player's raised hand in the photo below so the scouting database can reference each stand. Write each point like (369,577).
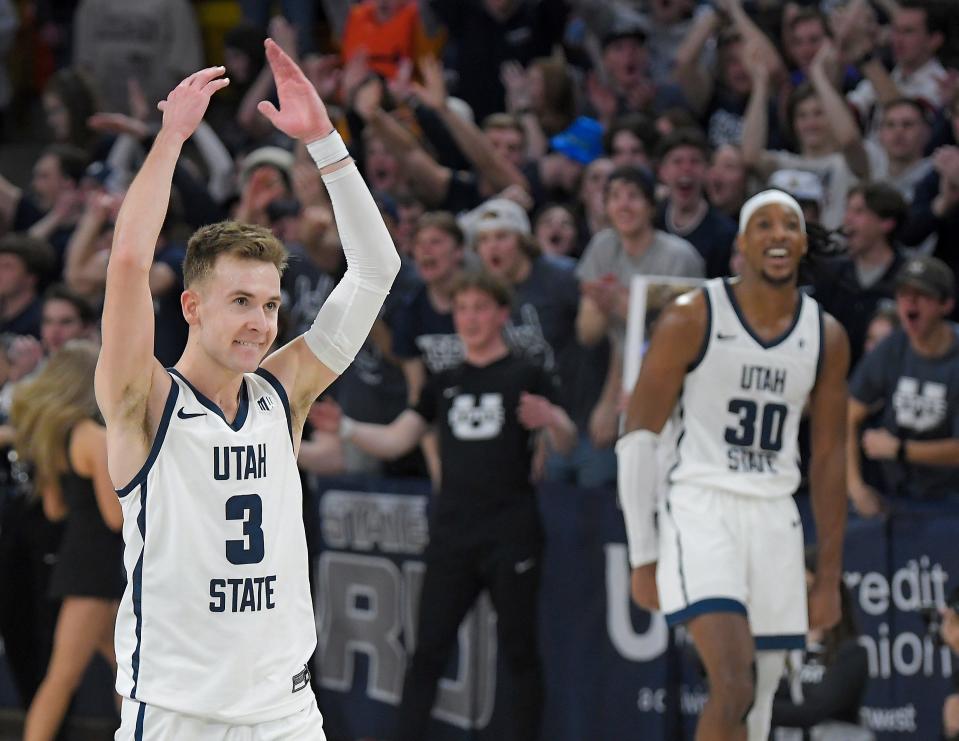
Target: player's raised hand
(302,114)
(184,107)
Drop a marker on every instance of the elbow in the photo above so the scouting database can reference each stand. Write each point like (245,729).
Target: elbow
(115,524)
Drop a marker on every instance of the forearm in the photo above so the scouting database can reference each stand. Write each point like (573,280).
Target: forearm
(387,442)
(828,484)
(591,324)
(843,125)
(756,125)
(81,271)
(875,71)
(932,452)
(218,161)
(692,78)
(536,142)
(474,145)
(46,226)
(398,139)
(561,431)
(346,317)
(145,204)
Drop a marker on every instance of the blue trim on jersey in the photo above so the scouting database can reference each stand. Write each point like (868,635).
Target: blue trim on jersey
(241,410)
(749,330)
(780,642)
(141,475)
(281,392)
(679,552)
(822,341)
(138,731)
(138,588)
(709,331)
(705,606)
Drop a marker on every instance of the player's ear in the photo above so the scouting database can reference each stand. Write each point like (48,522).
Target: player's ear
(190,304)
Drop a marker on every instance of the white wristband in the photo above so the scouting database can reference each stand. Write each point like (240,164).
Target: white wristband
(347,427)
(328,150)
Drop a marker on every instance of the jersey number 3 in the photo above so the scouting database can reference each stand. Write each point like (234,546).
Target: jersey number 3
(249,508)
(771,427)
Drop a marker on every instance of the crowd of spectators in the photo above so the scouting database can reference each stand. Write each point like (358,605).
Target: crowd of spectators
(606,138)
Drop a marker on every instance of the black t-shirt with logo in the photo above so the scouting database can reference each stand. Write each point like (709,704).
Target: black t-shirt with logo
(920,398)
(485,452)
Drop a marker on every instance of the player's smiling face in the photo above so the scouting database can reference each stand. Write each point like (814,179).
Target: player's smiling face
(235,312)
(773,244)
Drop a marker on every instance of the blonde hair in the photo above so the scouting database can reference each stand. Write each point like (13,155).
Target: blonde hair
(46,408)
(245,241)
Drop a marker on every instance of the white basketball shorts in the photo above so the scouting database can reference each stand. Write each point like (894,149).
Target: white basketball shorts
(725,552)
(141,722)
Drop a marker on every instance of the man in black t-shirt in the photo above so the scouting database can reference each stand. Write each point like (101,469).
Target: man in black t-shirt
(485,530)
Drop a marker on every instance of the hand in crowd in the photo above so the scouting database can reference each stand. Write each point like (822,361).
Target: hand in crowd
(354,73)
(119,123)
(950,629)
(284,34)
(264,186)
(432,92)
(880,444)
(104,206)
(535,412)
(325,415)
(302,114)
(368,97)
(827,59)
(400,86)
(611,296)
(517,194)
(69,204)
(325,74)
(865,500)
(643,587)
(185,105)
(857,31)
(601,97)
(515,79)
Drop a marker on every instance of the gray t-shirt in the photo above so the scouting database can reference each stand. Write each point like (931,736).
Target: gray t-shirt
(667,255)
(921,402)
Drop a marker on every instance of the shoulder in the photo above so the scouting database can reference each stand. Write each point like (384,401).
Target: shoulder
(603,242)
(685,317)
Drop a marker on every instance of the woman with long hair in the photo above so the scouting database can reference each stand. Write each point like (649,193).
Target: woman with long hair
(58,430)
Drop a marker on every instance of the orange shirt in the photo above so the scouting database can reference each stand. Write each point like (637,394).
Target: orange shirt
(387,43)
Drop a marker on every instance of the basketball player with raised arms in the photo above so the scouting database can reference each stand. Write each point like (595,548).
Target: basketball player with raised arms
(730,368)
(216,626)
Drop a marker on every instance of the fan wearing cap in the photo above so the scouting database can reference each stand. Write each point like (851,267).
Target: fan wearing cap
(723,385)
(914,375)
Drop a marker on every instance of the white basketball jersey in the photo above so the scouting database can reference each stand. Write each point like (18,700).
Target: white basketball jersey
(737,417)
(216,619)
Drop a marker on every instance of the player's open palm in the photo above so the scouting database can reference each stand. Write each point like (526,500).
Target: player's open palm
(302,114)
(184,107)
(643,587)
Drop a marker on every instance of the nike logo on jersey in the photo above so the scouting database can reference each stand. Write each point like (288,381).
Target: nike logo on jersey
(184,415)
(521,567)
(723,336)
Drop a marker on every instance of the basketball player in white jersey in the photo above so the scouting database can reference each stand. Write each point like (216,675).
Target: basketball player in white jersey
(216,626)
(731,367)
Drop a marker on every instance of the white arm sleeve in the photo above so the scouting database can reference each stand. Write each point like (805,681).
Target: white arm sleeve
(637,482)
(345,319)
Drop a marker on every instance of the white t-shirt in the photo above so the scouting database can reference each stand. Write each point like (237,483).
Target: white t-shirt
(922,84)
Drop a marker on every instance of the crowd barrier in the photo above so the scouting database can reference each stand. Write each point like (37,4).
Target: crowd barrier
(613,672)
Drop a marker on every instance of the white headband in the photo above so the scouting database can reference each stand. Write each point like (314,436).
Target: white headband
(766,198)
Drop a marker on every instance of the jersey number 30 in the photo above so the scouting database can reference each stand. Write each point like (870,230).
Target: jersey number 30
(249,508)
(771,426)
